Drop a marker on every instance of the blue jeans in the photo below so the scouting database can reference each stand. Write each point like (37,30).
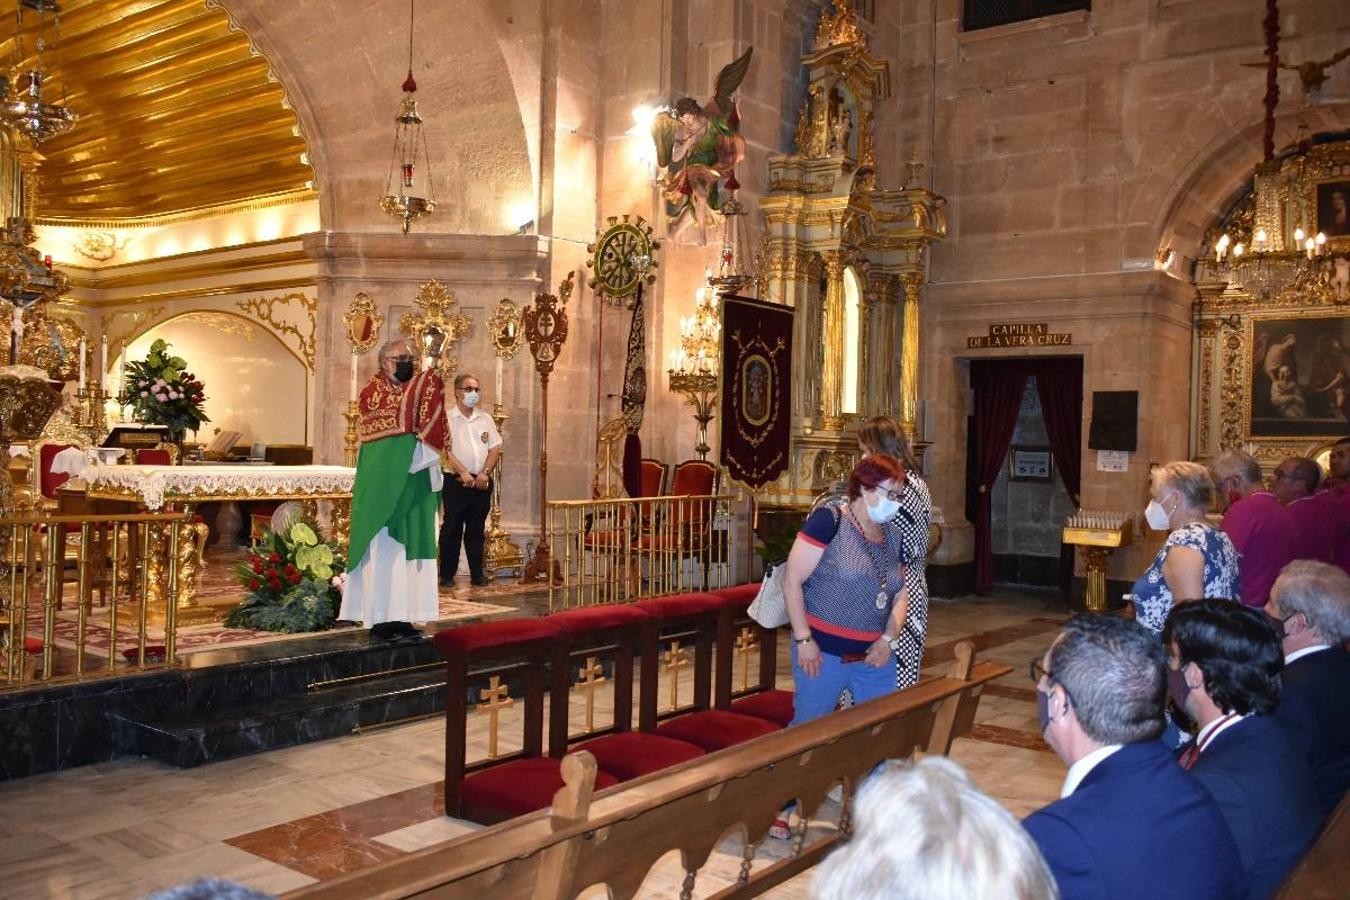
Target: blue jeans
(818,696)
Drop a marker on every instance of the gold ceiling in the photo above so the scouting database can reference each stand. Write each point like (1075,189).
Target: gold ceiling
(176,112)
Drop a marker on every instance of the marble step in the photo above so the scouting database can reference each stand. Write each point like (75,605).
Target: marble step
(193,738)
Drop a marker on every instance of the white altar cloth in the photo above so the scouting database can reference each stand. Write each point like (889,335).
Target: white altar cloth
(156,485)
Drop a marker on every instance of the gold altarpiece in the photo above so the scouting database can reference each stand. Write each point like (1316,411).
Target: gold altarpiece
(1248,307)
(823,216)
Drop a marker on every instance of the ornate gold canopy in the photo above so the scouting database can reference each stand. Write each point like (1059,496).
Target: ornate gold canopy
(435,331)
(177,111)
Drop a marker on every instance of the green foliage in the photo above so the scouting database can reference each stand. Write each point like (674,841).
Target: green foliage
(293,579)
(161,391)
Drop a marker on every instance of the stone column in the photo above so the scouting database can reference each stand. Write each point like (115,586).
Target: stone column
(832,340)
(909,357)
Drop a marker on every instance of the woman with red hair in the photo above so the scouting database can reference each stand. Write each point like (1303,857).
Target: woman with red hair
(845,593)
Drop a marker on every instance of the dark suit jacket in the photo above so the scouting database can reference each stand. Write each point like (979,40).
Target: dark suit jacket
(1266,794)
(1138,826)
(1315,711)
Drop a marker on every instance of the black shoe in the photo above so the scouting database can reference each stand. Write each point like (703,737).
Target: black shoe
(446,584)
(388,631)
(479,581)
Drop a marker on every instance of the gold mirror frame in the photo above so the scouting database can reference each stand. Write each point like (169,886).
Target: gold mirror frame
(436,302)
(362,311)
(505,331)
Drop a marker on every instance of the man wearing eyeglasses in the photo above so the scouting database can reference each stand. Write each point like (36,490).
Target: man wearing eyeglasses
(391,574)
(469,463)
(1129,822)
(1319,518)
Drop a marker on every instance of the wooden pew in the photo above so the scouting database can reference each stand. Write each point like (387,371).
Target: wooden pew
(615,836)
(1324,871)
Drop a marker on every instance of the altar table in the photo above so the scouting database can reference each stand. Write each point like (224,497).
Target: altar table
(180,488)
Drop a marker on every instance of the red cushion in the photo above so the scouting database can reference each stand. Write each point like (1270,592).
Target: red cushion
(151,456)
(632,754)
(715,729)
(772,706)
(741,595)
(32,645)
(521,786)
(593,618)
(678,606)
(493,635)
(48,481)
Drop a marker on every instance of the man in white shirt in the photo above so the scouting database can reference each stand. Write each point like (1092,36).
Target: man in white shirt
(470,461)
(1129,821)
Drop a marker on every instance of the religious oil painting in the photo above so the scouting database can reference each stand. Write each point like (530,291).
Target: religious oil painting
(1333,208)
(1300,377)
(755,389)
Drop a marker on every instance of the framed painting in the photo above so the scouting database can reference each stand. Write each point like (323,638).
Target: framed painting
(1299,377)
(1333,208)
(1029,464)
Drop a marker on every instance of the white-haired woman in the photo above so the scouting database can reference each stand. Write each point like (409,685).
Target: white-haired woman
(923,831)
(1197,560)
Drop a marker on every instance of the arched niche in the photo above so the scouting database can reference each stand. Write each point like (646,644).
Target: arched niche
(254,383)
(468,59)
(851,349)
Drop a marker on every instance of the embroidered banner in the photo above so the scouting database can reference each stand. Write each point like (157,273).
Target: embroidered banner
(634,396)
(756,388)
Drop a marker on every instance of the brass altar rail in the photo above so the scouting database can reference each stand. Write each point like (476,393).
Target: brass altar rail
(622,549)
(131,562)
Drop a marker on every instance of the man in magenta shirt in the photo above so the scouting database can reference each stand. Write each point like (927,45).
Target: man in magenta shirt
(1319,516)
(1257,523)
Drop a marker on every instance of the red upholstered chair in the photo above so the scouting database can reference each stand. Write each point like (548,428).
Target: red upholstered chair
(49,481)
(153,456)
(588,635)
(654,474)
(686,529)
(497,789)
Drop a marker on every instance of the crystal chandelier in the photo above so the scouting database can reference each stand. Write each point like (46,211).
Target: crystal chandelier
(23,109)
(408,191)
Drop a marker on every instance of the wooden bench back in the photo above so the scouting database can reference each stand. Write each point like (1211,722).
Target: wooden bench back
(1324,871)
(614,837)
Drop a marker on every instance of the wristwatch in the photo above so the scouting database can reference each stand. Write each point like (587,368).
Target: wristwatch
(806,640)
(894,644)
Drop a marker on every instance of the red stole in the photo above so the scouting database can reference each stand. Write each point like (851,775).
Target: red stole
(389,409)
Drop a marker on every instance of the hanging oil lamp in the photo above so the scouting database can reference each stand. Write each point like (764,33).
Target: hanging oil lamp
(408,191)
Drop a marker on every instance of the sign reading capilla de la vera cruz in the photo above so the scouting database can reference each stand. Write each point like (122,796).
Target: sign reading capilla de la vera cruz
(1019,334)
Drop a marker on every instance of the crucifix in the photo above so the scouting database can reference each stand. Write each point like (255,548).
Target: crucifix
(496,697)
(675,660)
(591,676)
(545,327)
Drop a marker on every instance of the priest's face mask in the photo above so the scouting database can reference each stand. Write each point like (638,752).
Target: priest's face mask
(398,365)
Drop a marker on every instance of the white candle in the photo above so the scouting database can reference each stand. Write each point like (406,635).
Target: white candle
(81,363)
(122,377)
(103,359)
(497,397)
(353,387)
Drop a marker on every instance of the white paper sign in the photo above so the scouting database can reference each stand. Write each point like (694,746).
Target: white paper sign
(1113,460)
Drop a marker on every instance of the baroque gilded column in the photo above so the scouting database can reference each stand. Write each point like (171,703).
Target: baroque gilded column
(909,357)
(832,340)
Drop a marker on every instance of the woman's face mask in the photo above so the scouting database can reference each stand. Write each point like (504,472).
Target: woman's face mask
(882,508)
(1156,514)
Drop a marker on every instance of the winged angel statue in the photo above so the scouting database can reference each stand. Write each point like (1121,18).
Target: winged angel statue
(699,147)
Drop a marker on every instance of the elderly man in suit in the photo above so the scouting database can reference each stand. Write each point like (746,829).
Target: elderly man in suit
(1313,601)
(1225,674)
(1130,822)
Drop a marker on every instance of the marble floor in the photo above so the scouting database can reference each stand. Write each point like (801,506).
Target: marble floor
(290,817)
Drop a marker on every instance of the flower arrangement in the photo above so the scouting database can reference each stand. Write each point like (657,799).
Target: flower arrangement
(294,580)
(161,391)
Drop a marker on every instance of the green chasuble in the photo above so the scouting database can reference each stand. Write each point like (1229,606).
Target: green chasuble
(386,495)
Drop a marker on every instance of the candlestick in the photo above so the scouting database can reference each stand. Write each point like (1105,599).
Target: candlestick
(81,363)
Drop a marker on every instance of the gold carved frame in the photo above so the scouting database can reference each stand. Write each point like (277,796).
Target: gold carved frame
(434,331)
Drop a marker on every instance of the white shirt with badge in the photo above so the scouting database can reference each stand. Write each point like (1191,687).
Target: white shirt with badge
(471,437)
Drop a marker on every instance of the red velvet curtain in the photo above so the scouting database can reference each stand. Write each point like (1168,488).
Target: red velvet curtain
(998,387)
(1059,382)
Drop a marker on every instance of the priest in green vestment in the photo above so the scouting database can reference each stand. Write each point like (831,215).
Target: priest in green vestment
(391,572)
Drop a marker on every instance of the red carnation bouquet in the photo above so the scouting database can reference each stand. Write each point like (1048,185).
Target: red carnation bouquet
(293,577)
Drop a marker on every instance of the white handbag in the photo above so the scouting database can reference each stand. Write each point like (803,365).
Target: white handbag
(769,608)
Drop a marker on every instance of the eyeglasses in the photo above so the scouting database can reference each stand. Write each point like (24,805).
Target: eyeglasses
(1037,671)
(399,359)
(895,496)
(469,387)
